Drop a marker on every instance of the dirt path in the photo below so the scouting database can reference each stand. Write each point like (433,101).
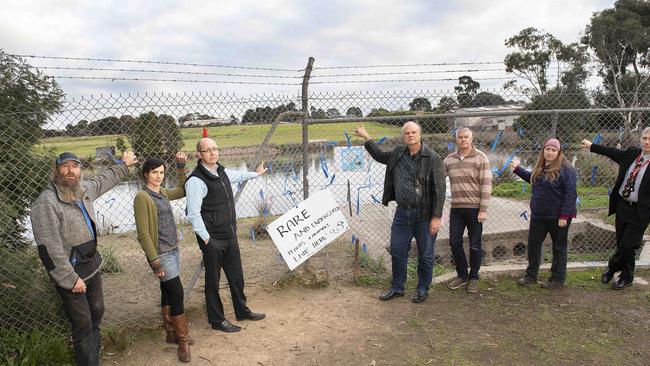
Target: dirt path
(343,324)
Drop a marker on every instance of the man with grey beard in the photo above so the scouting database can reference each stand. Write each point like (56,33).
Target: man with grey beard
(63,222)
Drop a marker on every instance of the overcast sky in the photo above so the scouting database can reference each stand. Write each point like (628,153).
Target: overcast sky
(279,34)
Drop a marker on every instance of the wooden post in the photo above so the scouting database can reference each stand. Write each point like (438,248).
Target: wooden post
(305,128)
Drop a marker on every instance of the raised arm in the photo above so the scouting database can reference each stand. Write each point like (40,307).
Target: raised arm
(611,152)
(519,171)
(110,177)
(373,149)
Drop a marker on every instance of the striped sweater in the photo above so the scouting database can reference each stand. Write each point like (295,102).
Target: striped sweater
(470,180)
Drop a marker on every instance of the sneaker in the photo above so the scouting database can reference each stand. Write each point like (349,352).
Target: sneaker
(457,283)
(472,286)
(526,280)
(551,285)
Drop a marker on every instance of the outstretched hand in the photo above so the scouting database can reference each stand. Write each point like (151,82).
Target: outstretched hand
(585,144)
(181,157)
(261,169)
(129,158)
(361,132)
(514,163)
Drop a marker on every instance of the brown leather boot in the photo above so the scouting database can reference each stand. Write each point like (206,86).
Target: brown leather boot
(183,336)
(169,328)
(167,323)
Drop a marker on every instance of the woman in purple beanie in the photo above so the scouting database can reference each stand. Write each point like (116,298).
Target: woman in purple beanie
(552,206)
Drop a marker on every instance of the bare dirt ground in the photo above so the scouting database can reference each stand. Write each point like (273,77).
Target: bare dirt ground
(585,323)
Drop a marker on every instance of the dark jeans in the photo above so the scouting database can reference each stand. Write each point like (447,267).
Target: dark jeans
(85,311)
(559,236)
(459,219)
(218,254)
(629,235)
(405,227)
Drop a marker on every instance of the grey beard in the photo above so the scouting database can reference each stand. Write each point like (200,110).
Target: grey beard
(68,191)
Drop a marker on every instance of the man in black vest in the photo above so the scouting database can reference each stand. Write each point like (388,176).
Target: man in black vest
(630,200)
(211,210)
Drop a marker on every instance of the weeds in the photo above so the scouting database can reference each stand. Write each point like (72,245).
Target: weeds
(33,349)
(110,263)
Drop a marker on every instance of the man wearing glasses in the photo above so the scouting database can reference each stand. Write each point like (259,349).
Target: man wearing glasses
(211,211)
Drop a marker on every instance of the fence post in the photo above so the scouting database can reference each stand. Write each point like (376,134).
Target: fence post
(305,128)
(554,118)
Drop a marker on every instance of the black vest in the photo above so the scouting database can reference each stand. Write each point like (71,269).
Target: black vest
(218,206)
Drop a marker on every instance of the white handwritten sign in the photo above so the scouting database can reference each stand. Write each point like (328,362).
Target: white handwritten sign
(304,230)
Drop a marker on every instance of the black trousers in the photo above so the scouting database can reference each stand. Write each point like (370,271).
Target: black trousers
(629,236)
(223,254)
(459,219)
(559,236)
(85,312)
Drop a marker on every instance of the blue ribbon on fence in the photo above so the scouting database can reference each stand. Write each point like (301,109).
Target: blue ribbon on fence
(597,139)
(348,137)
(450,146)
(375,199)
(381,140)
(594,170)
(496,140)
(498,172)
(364,248)
(524,215)
(331,181)
(367,185)
(621,132)
(578,201)
(252,234)
(523,187)
(521,132)
(323,165)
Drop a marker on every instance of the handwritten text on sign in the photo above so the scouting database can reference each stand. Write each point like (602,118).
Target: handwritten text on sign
(308,228)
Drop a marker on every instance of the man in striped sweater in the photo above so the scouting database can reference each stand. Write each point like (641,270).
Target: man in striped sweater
(470,179)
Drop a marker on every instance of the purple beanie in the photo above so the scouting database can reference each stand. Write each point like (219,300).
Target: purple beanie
(553,142)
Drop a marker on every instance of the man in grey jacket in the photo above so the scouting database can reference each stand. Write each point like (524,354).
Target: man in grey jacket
(63,222)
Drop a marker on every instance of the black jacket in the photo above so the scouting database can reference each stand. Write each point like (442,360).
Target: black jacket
(625,158)
(218,206)
(430,185)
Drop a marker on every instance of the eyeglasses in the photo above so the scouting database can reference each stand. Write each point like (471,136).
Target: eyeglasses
(212,149)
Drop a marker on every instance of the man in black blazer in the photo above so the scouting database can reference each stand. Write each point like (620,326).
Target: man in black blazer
(630,201)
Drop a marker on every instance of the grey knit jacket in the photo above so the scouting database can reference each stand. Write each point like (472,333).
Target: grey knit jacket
(66,246)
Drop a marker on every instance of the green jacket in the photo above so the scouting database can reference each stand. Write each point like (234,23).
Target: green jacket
(146,216)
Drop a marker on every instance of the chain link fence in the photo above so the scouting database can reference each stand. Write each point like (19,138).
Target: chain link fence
(99,128)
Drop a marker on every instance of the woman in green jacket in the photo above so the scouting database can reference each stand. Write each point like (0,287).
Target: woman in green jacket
(158,236)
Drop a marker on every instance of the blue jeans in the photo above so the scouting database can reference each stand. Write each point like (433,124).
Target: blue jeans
(405,227)
(85,311)
(459,218)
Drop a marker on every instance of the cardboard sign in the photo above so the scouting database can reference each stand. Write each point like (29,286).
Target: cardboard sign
(304,230)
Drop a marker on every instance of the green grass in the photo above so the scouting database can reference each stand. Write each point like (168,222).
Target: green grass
(226,136)
(83,146)
(110,264)
(35,348)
